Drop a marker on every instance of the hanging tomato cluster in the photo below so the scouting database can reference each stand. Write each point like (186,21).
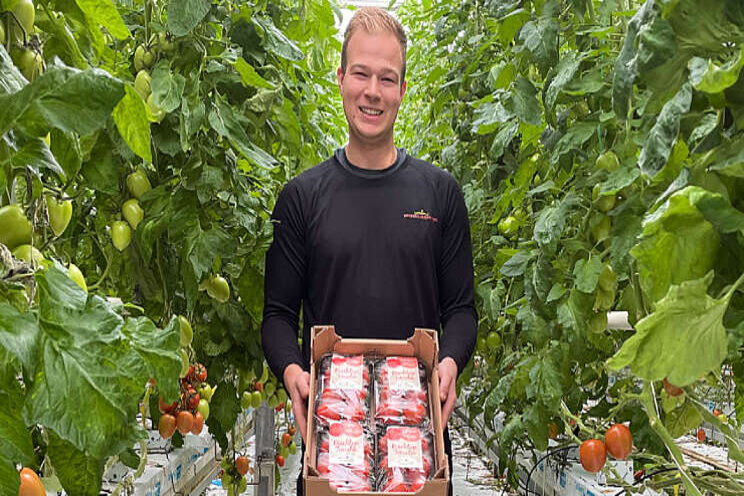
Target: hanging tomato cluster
(618,443)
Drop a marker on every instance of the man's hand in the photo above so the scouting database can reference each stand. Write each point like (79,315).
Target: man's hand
(447,391)
(297,383)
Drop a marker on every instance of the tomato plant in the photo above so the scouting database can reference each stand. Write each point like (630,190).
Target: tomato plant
(583,167)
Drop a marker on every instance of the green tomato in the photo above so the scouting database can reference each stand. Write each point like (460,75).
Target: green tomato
(30,63)
(218,289)
(246,401)
(142,84)
(184,363)
(292,448)
(132,211)
(481,344)
(165,43)
(508,226)
(257,398)
(138,184)
(60,214)
(203,408)
(77,276)
(607,278)
(608,161)
(282,395)
(600,229)
(284,452)
(493,340)
(121,234)
(25,12)
(269,388)
(15,228)
(273,402)
(288,406)
(158,114)
(187,333)
(29,254)
(143,58)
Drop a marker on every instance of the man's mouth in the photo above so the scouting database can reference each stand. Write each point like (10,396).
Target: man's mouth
(370,111)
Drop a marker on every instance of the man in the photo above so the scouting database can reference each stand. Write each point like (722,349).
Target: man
(372,240)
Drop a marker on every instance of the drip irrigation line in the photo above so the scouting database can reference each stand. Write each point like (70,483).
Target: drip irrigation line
(544,457)
(646,476)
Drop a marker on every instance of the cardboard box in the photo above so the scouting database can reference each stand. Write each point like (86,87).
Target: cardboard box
(423,345)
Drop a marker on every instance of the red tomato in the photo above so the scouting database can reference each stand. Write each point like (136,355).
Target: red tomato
(671,389)
(198,423)
(280,460)
(30,484)
(619,441)
(165,407)
(701,435)
(167,425)
(592,455)
(242,464)
(184,421)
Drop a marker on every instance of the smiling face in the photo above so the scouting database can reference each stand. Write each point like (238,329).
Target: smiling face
(371,88)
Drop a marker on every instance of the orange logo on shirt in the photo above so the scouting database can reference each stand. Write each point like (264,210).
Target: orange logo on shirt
(422,215)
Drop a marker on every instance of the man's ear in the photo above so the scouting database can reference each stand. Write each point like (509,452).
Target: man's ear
(340,79)
(403,88)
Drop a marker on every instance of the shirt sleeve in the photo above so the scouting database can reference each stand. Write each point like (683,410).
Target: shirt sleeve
(284,283)
(456,280)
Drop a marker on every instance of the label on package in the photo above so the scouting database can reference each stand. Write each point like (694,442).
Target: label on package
(404,448)
(346,444)
(347,372)
(403,374)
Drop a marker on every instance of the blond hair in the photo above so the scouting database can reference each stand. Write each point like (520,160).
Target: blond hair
(374,20)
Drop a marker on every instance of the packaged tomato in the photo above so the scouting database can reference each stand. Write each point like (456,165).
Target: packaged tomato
(345,456)
(342,391)
(401,392)
(405,458)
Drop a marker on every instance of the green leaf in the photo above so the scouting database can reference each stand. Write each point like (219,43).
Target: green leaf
(11,79)
(708,77)
(716,209)
(523,102)
(249,76)
(104,12)
(66,149)
(728,159)
(565,72)
(682,419)
(586,274)
(677,244)
(619,179)
(516,265)
(19,335)
(184,15)
(502,139)
(223,120)
(574,139)
(545,381)
(541,37)
(159,351)
(36,154)
(15,439)
(86,365)
(683,339)
(663,135)
(551,221)
(488,116)
(63,98)
(275,41)
(536,421)
(167,88)
(498,394)
(224,410)
(625,64)
(131,121)
(78,472)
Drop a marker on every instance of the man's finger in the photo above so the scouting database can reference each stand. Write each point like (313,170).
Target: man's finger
(444,386)
(448,407)
(303,385)
(300,412)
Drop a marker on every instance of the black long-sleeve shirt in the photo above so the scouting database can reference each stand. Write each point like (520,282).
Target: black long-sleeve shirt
(376,253)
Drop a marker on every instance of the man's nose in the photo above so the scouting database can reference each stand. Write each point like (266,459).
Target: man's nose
(372,88)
